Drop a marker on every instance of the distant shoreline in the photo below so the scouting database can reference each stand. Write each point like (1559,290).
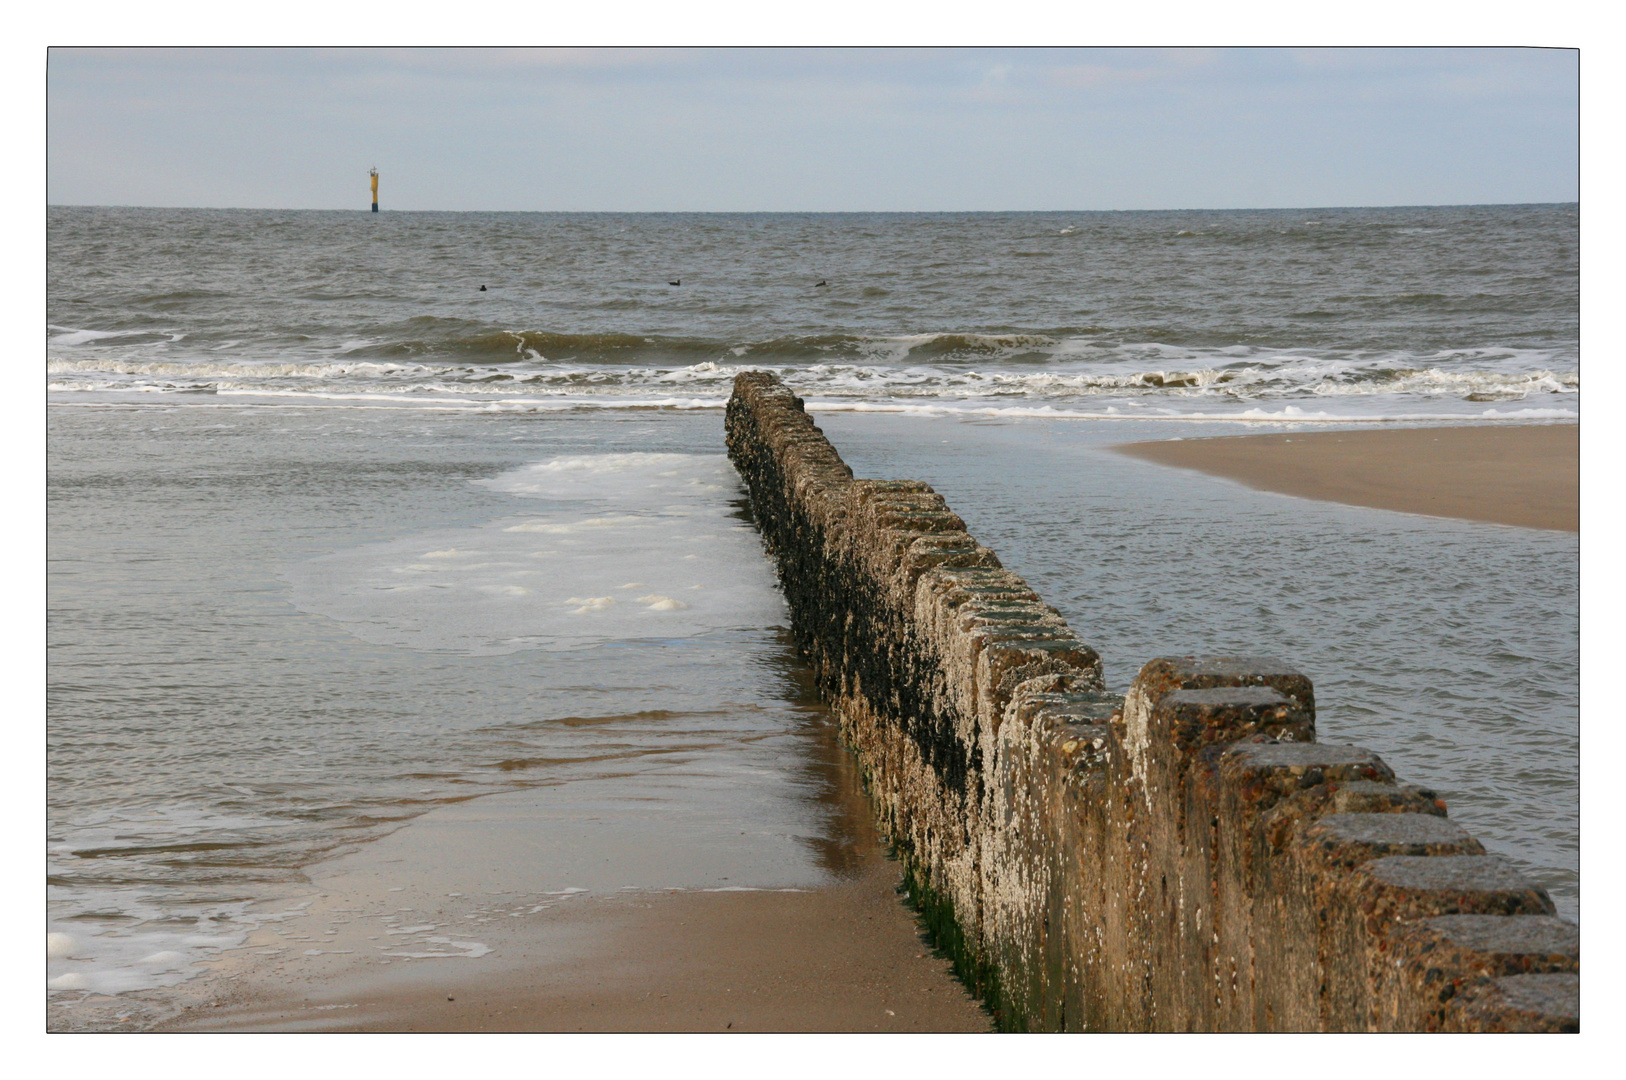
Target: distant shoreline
(1525,475)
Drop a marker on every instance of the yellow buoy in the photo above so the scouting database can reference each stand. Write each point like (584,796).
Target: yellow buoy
(373,172)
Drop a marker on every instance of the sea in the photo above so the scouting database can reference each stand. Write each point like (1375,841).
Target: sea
(355,516)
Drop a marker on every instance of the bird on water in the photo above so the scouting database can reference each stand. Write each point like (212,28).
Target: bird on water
(675,281)
(822,283)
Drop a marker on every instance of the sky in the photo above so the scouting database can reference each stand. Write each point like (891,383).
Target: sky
(811,129)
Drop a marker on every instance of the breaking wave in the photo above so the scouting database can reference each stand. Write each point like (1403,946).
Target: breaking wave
(926,368)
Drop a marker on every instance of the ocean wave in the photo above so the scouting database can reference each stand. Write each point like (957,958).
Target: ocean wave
(440,341)
(1014,369)
(435,340)
(1278,377)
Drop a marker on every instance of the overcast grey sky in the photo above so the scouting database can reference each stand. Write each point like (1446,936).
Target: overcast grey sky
(808,129)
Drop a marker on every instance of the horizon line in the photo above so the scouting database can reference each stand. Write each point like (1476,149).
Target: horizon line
(1063,210)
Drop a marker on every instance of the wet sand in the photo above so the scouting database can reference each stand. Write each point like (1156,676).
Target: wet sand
(1527,475)
(544,911)
(840,959)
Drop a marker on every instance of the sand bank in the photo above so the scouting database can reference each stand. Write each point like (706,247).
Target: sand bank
(1525,475)
(544,911)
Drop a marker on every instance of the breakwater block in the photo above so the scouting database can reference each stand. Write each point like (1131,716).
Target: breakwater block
(1186,857)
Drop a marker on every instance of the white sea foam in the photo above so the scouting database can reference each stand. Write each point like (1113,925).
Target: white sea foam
(659,523)
(625,478)
(120,938)
(487,403)
(1289,414)
(565,528)
(883,371)
(469,950)
(223,369)
(118,955)
(67,335)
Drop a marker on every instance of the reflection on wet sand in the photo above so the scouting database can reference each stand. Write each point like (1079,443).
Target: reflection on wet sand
(695,895)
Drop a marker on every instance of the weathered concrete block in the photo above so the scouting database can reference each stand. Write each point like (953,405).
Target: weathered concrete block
(1167,675)
(1527,1003)
(1416,886)
(1434,965)
(1509,945)
(1351,838)
(1184,858)
(1268,957)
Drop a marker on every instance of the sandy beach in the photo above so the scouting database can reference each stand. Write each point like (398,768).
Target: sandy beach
(1527,475)
(458,923)
(842,959)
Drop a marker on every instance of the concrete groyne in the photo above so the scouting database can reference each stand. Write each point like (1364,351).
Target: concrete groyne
(1185,857)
